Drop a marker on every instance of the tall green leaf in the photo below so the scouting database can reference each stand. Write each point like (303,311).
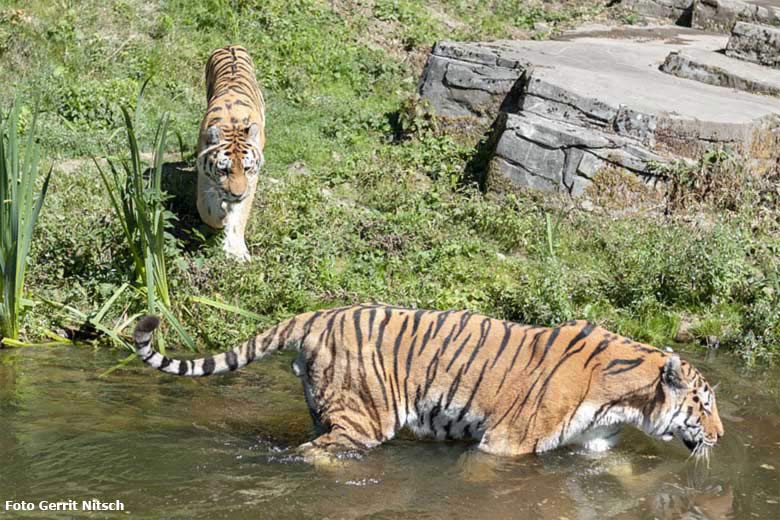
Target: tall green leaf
(19,211)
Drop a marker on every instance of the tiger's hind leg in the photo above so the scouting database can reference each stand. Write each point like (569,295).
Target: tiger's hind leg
(347,429)
(340,441)
(501,441)
(347,420)
(345,425)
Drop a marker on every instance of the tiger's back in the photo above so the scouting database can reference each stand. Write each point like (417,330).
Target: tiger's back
(231,70)
(230,145)
(370,370)
(450,375)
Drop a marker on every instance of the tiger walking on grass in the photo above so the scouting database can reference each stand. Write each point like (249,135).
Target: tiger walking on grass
(230,146)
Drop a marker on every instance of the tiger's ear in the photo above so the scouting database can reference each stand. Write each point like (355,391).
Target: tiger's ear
(252,130)
(213,135)
(671,373)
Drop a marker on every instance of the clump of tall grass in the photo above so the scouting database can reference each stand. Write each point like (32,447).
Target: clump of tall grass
(19,209)
(138,199)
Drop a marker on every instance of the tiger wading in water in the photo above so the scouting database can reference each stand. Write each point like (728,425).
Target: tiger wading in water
(230,146)
(369,370)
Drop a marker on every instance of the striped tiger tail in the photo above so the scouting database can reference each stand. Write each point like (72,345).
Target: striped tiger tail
(287,334)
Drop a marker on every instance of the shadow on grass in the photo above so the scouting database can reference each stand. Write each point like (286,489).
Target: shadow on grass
(180,182)
(477,168)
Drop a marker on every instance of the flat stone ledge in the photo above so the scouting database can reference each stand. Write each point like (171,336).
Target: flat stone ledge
(717,69)
(721,15)
(756,43)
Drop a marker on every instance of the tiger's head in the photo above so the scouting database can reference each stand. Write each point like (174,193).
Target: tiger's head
(688,410)
(232,158)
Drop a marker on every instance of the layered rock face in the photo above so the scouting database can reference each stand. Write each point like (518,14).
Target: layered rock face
(562,110)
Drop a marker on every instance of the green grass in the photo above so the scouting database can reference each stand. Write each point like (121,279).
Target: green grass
(346,211)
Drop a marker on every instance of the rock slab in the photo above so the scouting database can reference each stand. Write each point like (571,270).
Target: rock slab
(570,107)
(756,43)
(466,81)
(717,69)
(537,152)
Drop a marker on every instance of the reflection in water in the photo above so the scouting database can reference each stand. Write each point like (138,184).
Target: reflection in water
(175,448)
(677,502)
(9,447)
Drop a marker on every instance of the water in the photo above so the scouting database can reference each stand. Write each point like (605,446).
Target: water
(218,448)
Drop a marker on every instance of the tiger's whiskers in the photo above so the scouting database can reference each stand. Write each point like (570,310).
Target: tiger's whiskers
(701,453)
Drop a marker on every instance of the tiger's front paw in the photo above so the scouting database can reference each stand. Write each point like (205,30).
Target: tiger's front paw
(236,248)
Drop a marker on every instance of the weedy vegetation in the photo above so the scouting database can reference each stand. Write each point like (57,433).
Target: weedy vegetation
(363,196)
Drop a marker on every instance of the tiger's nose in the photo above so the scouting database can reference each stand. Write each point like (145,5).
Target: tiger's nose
(236,188)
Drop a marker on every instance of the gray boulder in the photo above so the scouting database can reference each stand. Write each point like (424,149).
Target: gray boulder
(678,10)
(756,43)
(467,80)
(721,15)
